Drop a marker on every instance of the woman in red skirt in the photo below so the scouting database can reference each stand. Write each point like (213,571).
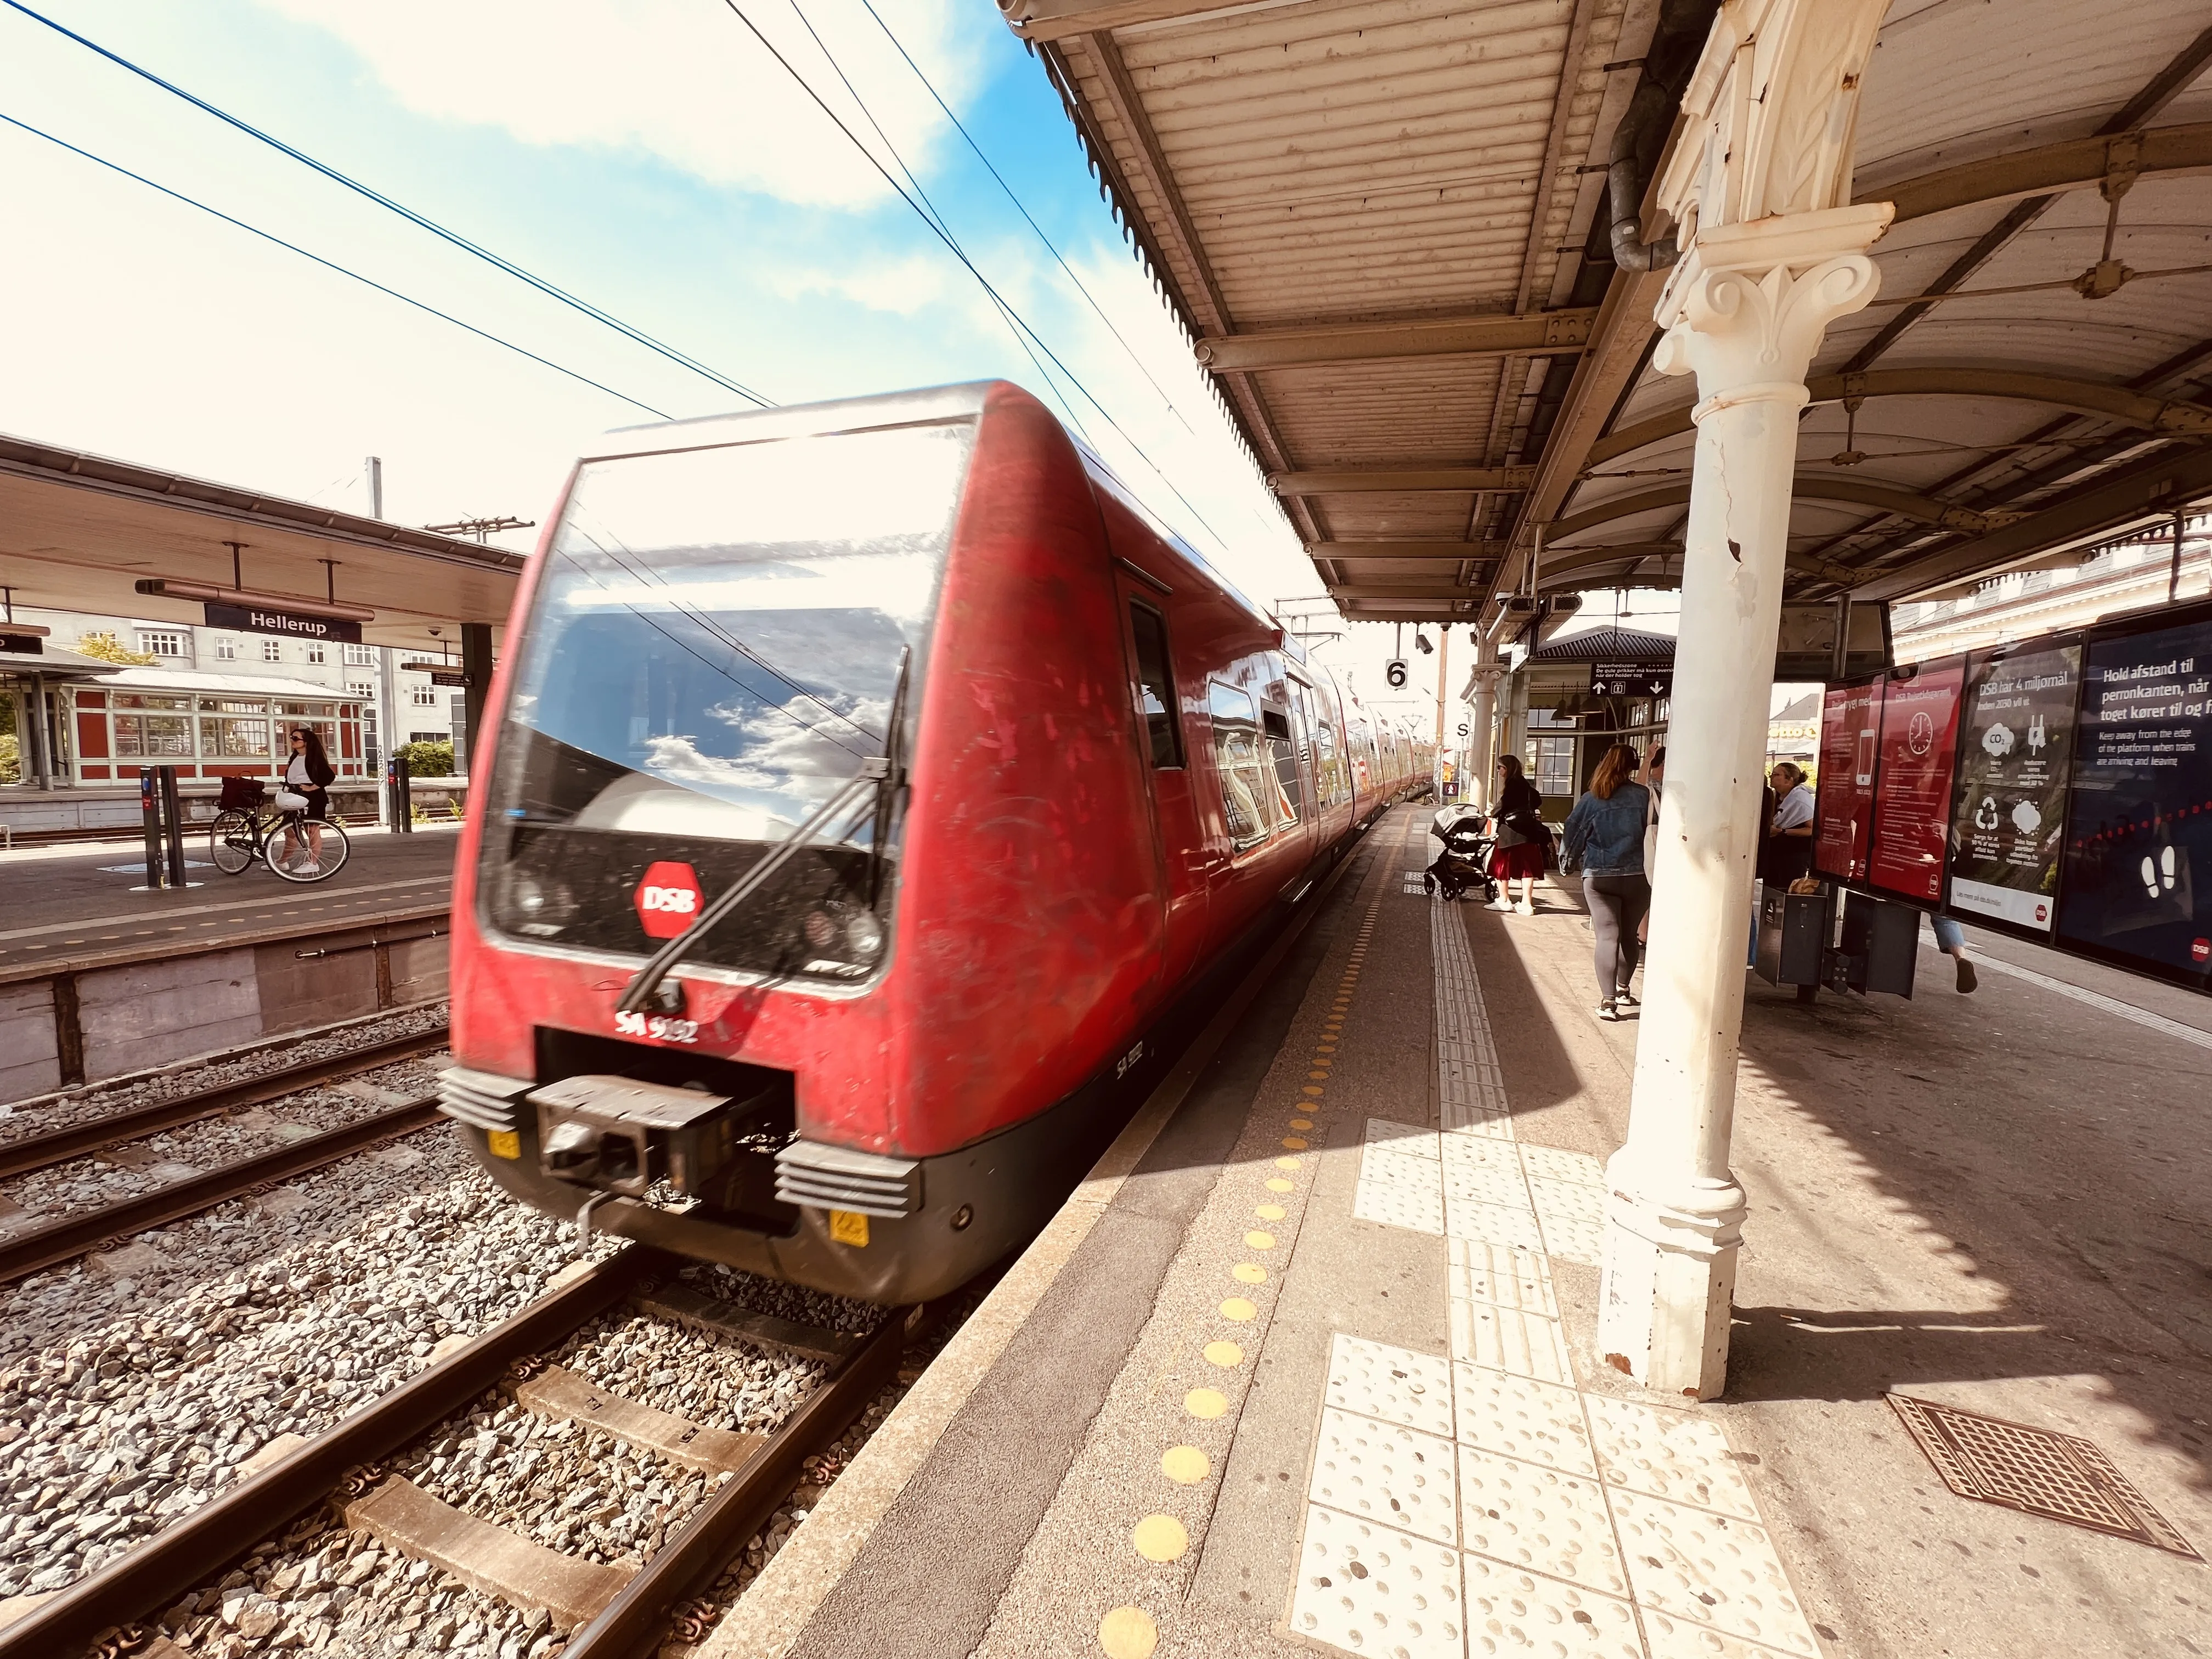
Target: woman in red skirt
(1522,838)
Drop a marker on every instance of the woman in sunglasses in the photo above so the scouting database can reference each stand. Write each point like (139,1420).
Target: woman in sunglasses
(308,775)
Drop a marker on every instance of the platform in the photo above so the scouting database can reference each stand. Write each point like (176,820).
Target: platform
(1308,1364)
(75,908)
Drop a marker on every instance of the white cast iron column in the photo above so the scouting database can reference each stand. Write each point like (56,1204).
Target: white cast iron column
(1770,257)
(1482,716)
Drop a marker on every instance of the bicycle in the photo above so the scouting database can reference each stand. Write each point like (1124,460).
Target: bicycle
(246,830)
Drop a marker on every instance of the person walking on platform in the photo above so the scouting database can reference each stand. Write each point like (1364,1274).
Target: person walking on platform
(1951,940)
(1786,855)
(1655,780)
(1605,832)
(1520,840)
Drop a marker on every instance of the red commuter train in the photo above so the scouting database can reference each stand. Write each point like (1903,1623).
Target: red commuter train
(871,795)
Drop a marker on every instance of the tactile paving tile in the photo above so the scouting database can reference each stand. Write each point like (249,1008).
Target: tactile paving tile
(1512,1612)
(1682,1638)
(1541,1520)
(1710,1570)
(1521,1417)
(1491,1224)
(1482,1183)
(1397,1385)
(1371,1588)
(1461,1146)
(1669,1454)
(1502,1275)
(1388,1473)
(1397,1190)
(1508,1340)
(1388,1134)
(1556,1164)
(1573,1218)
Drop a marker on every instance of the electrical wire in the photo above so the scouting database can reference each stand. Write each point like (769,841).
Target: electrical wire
(1019,208)
(408,214)
(328,264)
(837,121)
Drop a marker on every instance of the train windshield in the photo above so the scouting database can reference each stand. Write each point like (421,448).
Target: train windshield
(715,647)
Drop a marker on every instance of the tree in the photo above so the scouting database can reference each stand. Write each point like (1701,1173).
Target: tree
(105,645)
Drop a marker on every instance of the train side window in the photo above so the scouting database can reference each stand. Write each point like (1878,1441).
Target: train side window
(1251,794)
(1156,683)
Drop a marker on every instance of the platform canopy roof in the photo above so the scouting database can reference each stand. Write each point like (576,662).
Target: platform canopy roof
(78,531)
(1383,223)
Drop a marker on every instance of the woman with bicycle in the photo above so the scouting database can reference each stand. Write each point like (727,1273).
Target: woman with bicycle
(308,777)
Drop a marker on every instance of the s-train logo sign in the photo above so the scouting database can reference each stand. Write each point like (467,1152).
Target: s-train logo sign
(667,899)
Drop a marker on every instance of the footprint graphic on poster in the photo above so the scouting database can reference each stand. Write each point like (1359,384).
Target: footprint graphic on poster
(2158,875)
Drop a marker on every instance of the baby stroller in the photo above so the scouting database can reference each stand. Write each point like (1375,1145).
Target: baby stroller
(1465,861)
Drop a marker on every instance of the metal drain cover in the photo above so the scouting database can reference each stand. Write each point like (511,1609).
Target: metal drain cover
(2034,1470)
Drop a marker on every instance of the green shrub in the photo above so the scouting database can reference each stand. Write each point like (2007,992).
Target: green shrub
(428,760)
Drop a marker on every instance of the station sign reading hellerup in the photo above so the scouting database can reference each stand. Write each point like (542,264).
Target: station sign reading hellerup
(262,619)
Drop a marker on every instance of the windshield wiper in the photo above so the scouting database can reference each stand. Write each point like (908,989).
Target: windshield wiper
(645,991)
(887,797)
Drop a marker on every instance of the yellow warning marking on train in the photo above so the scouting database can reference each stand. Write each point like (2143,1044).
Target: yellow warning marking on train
(1128,1633)
(1277,1184)
(1160,1538)
(1238,1309)
(1227,1355)
(1269,1211)
(1296,1143)
(1205,1404)
(1185,1465)
(1249,1273)
(849,1227)
(1302,1123)
(504,1143)
(1260,1241)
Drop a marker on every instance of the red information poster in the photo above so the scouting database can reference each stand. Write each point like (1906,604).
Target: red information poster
(1912,800)
(1842,812)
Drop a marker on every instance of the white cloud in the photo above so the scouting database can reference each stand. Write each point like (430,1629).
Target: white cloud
(683,80)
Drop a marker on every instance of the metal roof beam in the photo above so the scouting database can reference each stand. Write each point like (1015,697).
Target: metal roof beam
(2169,482)
(2078,164)
(1056,19)
(1496,335)
(1392,591)
(2082,397)
(1905,502)
(1352,481)
(1483,550)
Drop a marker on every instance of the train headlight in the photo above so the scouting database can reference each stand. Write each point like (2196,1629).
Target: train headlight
(820,931)
(541,904)
(863,933)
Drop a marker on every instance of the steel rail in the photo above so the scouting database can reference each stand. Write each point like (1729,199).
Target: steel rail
(220,1533)
(635,1625)
(58,1145)
(73,1234)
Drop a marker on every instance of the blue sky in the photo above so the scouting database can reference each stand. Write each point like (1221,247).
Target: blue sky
(647,156)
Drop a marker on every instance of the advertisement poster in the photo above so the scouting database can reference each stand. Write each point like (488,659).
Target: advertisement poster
(2140,826)
(1843,811)
(2008,820)
(1912,793)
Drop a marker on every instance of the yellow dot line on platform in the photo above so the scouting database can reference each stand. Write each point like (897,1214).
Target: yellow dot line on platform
(1128,1633)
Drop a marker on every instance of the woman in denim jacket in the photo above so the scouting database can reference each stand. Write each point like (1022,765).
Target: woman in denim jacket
(1605,833)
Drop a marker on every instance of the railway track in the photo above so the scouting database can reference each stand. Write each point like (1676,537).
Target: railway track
(340,1468)
(28,1251)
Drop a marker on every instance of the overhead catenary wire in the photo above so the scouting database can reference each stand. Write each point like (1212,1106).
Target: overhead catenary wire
(961,127)
(837,120)
(329,265)
(455,238)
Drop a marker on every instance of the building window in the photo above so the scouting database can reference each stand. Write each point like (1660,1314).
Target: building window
(361,689)
(1550,764)
(315,650)
(273,650)
(427,737)
(425,696)
(361,656)
(226,650)
(162,644)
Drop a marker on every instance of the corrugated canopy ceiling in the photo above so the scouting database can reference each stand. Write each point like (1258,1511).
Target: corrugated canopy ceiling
(1382,222)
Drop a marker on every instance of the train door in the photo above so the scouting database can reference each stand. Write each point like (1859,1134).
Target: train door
(1306,731)
(1179,854)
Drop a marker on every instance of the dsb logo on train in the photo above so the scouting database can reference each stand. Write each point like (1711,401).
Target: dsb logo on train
(667,898)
